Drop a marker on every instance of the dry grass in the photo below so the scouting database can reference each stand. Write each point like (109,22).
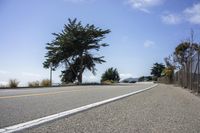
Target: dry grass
(108,82)
(34,84)
(45,83)
(13,83)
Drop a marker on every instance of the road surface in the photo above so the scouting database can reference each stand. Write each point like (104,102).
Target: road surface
(163,109)
(18,106)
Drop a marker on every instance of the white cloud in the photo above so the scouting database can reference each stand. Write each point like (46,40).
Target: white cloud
(169,18)
(125,75)
(144,5)
(148,44)
(192,14)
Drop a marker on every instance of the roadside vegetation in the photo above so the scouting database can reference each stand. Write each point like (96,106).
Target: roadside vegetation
(157,70)
(178,60)
(13,83)
(34,84)
(45,83)
(110,76)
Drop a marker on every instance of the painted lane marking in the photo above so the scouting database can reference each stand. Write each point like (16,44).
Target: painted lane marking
(37,94)
(44,94)
(46,119)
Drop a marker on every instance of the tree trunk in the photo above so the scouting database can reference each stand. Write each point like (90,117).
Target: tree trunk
(80,77)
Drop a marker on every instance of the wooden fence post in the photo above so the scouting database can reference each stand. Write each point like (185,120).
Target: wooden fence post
(190,67)
(198,74)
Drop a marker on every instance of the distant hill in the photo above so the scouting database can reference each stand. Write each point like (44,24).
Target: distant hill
(130,80)
(145,78)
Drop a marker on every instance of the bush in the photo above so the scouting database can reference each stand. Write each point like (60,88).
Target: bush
(45,83)
(110,75)
(168,72)
(34,84)
(107,82)
(13,83)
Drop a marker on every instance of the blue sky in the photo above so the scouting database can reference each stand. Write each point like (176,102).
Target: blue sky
(143,32)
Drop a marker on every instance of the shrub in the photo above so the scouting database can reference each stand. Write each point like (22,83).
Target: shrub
(168,72)
(34,84)
(13,83)
(45,83)
(110,75)
(107,82)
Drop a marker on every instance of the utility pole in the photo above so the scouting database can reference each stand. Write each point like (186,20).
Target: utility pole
(51,74)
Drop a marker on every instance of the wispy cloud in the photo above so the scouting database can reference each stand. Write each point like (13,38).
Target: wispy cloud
(148,44)
(144,5)
(192,14)
(169,18)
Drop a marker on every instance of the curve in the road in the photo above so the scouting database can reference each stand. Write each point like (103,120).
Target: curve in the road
(43,120)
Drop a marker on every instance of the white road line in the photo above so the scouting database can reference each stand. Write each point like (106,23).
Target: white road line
(43,120)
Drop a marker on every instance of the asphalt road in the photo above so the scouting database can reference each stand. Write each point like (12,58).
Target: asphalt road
(17,106)
(163,109)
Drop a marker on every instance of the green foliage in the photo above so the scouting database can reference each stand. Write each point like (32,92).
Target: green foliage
(184,51)
(110,75)
(45,83)
(34,84)
(157,70)
(73,48)
(168,72)
(13,83)
(171,65)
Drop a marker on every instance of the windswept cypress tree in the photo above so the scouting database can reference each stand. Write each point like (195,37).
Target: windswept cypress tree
(74,48)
